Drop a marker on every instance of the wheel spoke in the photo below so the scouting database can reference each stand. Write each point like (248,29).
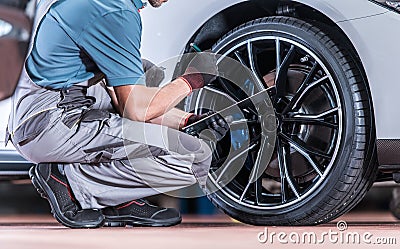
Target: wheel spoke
(282,172)
(233,159)
(239,57)
(258,191)
(244,192)
(252,62)
(307,89)
(282,70)
(255,171)
(302,147)
(310,121)
(319,119)
(302,87)
(278,53)
(306,154)
(257,184)
(278,88)
(286,179)
(318,116)
(253,65)
(258,169)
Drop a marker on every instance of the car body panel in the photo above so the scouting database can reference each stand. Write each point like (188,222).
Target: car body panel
(377,40)
(343,10)
(166,36)
(161,40)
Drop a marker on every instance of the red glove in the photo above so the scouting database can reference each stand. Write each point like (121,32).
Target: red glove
(201,70)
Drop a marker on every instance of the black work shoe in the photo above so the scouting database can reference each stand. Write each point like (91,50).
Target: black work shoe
(140,213)
(53,186)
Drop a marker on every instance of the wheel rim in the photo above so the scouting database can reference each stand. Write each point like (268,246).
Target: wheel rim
(309,122)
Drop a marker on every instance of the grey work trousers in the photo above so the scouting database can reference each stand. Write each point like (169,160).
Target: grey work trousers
(110,160)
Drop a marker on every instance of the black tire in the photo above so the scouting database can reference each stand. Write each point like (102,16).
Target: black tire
(353,167)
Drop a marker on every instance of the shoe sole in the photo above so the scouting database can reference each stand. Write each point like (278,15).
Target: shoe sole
(122,221)
(45,192)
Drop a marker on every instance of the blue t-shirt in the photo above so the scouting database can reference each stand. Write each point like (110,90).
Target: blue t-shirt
(80,38)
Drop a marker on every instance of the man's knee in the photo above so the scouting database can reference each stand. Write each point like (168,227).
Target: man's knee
(202,163)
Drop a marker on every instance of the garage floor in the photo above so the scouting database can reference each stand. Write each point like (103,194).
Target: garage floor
(200,232)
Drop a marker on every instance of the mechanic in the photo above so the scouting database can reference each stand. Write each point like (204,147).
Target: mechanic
(82,72)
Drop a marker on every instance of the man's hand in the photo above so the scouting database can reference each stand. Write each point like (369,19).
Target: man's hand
(201,70)
(212,121)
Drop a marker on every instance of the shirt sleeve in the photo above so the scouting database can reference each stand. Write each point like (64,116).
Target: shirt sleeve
(113,43)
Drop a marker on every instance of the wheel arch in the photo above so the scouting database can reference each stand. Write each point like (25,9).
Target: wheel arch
(245,11)
(233,16)
(229,18)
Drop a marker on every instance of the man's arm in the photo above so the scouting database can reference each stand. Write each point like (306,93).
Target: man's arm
(148,104)
(141,103)
(174,118)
